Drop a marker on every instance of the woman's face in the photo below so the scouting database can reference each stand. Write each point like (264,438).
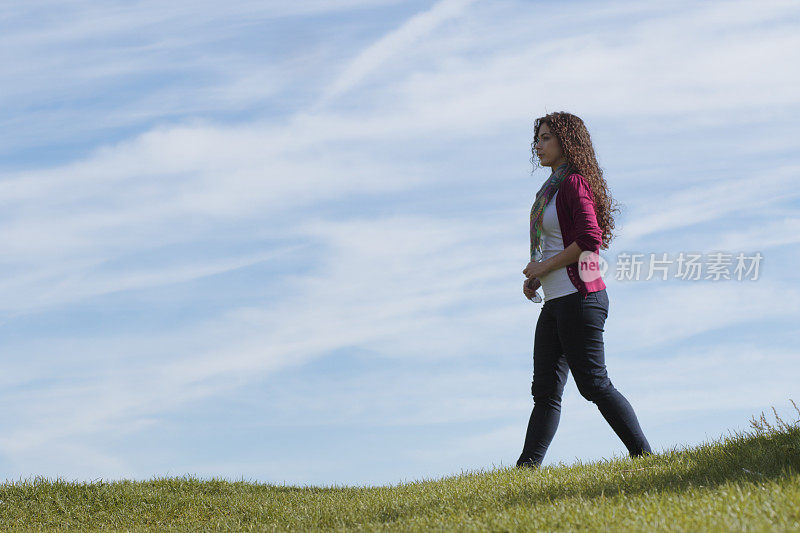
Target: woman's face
(548,148)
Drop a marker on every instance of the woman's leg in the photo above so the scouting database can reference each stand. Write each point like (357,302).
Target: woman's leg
(550,373)
(580,330)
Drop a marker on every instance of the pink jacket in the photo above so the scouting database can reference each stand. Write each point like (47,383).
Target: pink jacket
(578,222)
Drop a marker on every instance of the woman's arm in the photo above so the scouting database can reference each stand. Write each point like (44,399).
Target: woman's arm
(588,235)
(563,258)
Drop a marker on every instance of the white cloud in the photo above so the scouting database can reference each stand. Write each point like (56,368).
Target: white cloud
(658,313)
(711,200)
(167,187)
(779,231)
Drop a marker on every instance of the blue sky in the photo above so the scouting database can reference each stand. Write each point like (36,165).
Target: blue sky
(283,242)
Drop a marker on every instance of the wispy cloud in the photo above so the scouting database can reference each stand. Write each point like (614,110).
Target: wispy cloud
(394,43)
(127,66)
(730,196)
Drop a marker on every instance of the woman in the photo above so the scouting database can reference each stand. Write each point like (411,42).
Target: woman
(571,220)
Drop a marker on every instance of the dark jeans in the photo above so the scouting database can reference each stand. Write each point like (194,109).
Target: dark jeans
(569,336)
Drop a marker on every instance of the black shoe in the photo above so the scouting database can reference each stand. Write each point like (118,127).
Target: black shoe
(528,463)
(642,454)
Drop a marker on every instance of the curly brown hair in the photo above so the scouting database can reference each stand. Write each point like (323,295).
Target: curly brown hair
(578,151)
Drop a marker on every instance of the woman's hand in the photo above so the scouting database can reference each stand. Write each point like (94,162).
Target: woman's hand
(535,269)
(529,287)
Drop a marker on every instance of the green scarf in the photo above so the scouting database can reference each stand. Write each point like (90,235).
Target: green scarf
(544,195)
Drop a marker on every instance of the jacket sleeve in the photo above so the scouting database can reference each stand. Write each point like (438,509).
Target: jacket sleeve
(588,234)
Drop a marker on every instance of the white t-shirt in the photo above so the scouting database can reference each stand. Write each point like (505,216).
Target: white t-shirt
(557,282)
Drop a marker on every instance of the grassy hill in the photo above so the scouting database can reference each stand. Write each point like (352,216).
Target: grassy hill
(747,482)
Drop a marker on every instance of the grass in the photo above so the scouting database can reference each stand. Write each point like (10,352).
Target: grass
(746,482)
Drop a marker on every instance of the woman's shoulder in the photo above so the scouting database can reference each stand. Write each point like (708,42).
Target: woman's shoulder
(575,183)
(576,179)
(577,191)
